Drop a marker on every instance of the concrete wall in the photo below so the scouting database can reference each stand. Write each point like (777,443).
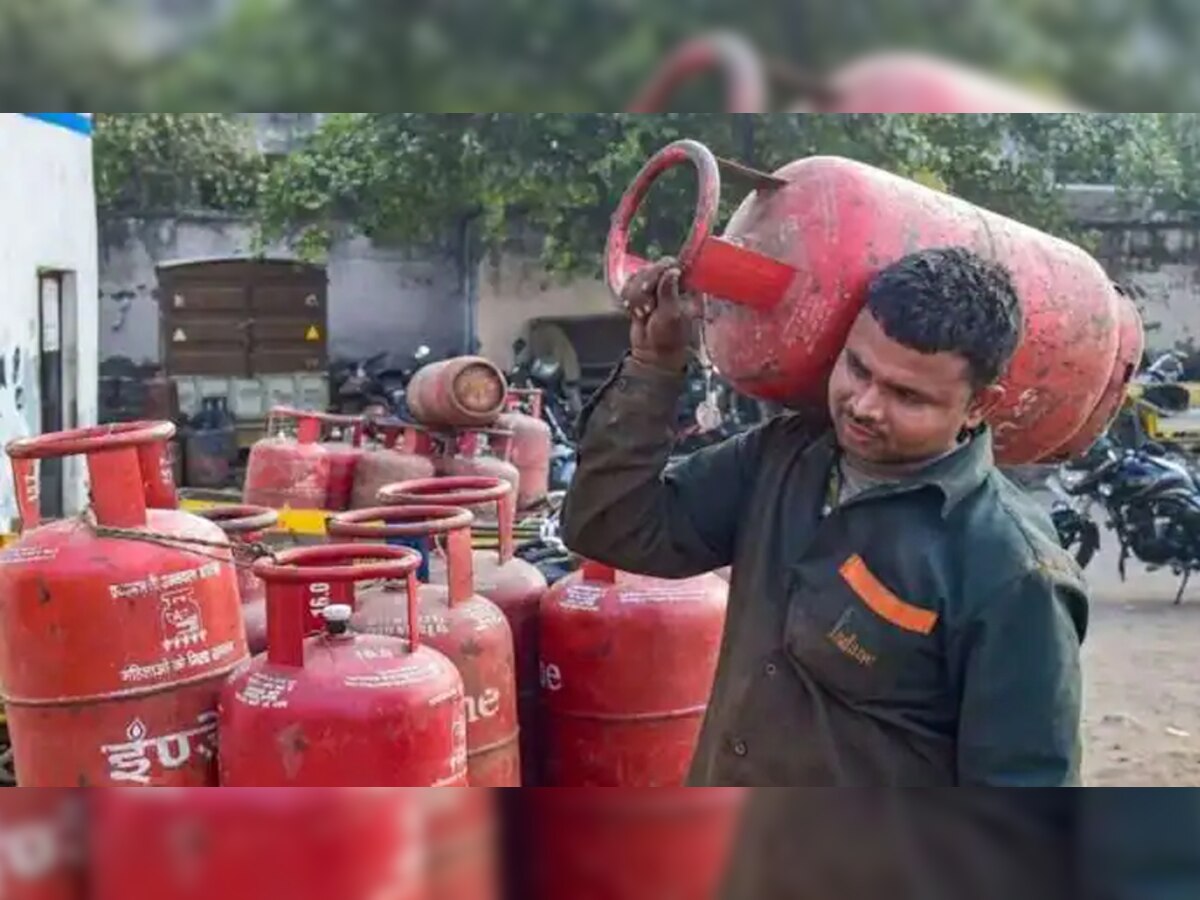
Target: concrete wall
(380,298)
(47,222)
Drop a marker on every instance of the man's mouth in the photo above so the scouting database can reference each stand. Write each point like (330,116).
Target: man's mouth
(859,432)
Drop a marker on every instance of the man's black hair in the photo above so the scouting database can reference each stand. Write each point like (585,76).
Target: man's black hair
(950,299)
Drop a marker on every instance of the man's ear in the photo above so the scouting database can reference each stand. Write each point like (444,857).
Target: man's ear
(984,401)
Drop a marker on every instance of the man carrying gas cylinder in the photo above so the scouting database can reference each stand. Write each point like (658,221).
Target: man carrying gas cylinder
(900,614)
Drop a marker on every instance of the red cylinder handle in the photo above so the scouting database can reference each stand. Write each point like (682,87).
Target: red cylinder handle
(308,424)
(118,457)
(746,81)
(533,395)
(291,572)
(461,490)
(709,265)
(383,522)
(242,519)
(500,441)
(355,423)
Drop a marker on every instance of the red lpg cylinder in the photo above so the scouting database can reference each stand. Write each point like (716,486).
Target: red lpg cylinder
(531,444)
(344,456)
(341,709)
(467,628)
(785,283)
(461,844)
(285,472)
(245,525)
(482,453)
(627,664)
(631,844)
(463,392)
(257,843)
(513,584)
(115,634)
(42,854)
(406,452)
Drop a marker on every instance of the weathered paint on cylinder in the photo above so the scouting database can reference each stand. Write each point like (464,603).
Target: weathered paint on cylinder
(287,473)
(603,844)
(113,649)
(42,845)
(481,453)
(406,451)
(247,525)
(341,709)
(1131,344)
(531,445)
(789,277)
(463,392)
(461,854)
(510,582)
(627,664)
(467,628)
(257,843)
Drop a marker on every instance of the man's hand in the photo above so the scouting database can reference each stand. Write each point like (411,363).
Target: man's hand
(660,332)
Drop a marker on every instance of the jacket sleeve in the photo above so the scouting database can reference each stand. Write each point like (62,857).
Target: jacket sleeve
(624,507)
(1018,660)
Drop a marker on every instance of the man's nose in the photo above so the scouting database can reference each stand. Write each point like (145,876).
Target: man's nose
(867,405)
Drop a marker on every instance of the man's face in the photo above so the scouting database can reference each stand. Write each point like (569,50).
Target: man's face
(892,404)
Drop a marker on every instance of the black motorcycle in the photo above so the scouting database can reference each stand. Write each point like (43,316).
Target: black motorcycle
(1151,500)
(371,386)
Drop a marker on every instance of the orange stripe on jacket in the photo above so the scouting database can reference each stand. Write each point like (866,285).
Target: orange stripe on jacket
(882,601)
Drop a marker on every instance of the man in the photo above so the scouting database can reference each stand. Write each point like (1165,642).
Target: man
(899,613)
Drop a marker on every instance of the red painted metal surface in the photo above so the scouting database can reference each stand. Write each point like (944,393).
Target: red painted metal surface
(344,457)
(737,61)
(285,472)
(789,277)
(627,664)
(257,844)
(462,853)
(513,584)
(341,709)
(42,845)
(1131,344)
(467,628)
(463,392)
(113,648)
(631,844)
(481,453)
(531,444)
(405,451)
(247,525)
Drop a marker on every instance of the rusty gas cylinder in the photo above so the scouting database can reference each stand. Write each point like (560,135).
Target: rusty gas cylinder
(627,665)
(117,627)
(258,843)
(531,444)
(405,451)
(467,628)
(481,453)
(286,472)
(513,584)
(245,526)
(42,845)
(463,392)
(786,282)
(462,860)
(631,844)
(341,709)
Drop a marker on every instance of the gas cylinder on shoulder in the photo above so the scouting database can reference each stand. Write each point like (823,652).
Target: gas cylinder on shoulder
(461,392)
(531,444)
(246,525)
(404,451)
(118,626)
(286,472)
(627,666)
(481,453)
(513,584)
(467,628)
(341,709)
(786,282)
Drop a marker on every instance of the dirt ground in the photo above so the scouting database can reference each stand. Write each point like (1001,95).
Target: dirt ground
(1142,677)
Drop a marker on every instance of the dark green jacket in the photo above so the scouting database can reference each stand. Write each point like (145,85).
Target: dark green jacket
(920,635)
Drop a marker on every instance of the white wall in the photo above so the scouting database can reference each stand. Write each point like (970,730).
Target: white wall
(47,221)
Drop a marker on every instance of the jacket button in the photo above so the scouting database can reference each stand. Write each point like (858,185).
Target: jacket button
(622,383)
(770,669)
(739,748)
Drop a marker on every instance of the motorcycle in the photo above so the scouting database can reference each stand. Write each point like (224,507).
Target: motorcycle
(1152,504)
(369,386)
